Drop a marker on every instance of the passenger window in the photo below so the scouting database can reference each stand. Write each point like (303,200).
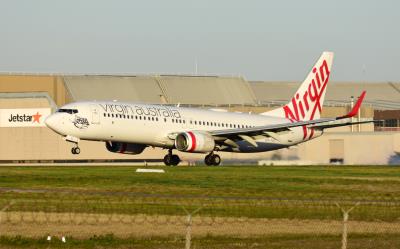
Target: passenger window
(165,120)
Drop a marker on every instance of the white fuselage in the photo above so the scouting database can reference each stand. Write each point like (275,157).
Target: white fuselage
(153,125)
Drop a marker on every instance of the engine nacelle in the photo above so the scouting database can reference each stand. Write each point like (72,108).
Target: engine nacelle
(125,148)
(193,141)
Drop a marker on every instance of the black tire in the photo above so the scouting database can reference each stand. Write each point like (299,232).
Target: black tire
(175,160)
(216,160)
(167,160)
(208,160)
(73,150)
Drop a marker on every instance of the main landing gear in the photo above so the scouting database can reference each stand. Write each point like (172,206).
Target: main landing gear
(75,150)
(212,159)
(171,160)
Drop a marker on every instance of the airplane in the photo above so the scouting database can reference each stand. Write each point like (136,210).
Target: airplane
(129,128)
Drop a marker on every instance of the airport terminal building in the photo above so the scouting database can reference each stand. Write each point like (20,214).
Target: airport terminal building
(25,101)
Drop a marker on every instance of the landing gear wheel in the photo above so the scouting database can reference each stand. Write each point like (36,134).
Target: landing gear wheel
(216,160)
(75,150)
(170,159)
(207,160)
(175,160)
(212,160)
(167,160)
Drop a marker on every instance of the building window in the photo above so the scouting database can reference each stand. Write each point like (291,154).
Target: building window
(391,123)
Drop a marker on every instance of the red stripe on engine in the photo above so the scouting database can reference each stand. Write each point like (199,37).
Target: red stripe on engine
(193,147)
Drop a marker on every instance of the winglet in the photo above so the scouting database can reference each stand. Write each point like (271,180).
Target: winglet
(356,107)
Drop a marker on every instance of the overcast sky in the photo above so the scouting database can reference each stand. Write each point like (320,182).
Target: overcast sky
(261,40)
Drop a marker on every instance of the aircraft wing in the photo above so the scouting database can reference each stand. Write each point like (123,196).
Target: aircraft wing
(285,126)
(332,125)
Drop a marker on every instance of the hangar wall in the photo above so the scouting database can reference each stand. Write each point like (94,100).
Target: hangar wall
(43,145)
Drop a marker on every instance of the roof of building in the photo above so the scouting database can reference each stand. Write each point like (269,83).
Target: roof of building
(197,90)
(384,95)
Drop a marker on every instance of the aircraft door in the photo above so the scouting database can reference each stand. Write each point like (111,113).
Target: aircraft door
(95,114)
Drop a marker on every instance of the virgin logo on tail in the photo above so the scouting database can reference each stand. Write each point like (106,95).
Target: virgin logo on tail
(300,106)
(303,106)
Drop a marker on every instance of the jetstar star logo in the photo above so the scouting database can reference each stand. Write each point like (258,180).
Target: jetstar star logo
(303,106)
(25,118)
(36,117)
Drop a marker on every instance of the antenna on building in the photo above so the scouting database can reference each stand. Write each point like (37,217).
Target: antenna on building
(196,66)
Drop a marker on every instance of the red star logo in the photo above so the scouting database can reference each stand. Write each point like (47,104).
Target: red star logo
(36,118)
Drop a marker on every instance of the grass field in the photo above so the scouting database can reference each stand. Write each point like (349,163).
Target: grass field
(292,200)
(290,182)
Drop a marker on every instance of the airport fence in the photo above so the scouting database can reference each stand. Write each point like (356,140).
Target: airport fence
(341,222)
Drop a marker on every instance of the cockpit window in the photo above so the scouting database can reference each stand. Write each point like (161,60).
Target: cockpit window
(70,111)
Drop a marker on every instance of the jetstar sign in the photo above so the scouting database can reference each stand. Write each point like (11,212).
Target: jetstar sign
(33,117)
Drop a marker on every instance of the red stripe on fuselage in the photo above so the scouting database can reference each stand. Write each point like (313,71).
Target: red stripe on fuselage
(193,147)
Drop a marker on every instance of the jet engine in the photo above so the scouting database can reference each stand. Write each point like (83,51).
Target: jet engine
(193,141)
(125,148)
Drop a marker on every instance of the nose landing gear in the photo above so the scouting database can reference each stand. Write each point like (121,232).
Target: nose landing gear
(212,159)
(171,159)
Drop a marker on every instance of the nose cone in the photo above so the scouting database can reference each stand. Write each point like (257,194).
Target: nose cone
(51,122)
